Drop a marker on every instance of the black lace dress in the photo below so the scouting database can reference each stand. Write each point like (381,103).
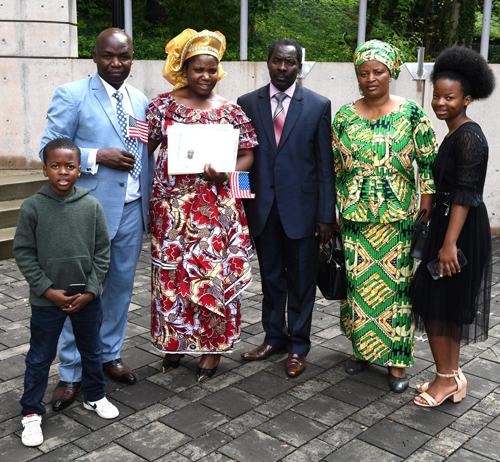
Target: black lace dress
(458,306)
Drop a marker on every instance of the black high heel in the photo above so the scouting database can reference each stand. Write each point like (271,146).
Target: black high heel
(168,365)
(205,374)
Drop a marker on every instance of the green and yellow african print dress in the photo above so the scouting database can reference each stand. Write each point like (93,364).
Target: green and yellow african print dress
(377,198)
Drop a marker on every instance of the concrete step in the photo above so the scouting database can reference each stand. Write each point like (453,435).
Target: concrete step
(20,184)
(9,213)
(6,240)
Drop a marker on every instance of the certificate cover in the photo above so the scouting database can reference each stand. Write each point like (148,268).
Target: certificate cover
(190,147)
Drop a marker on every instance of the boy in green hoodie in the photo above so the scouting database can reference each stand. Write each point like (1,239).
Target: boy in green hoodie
(62,239)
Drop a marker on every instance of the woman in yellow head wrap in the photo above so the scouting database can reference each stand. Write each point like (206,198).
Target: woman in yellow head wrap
(376,141)
(200,242)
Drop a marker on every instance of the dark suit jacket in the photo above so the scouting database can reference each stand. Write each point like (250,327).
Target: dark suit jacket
(299,173)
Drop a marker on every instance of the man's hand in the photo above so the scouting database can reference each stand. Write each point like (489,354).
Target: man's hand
(82,301)
(324,231)
(115,158)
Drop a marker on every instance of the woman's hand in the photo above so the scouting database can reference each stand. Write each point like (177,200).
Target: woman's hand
(210,174)
(448,253)
(448,260)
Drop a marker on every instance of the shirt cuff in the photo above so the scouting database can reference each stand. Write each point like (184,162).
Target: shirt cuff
(92,165)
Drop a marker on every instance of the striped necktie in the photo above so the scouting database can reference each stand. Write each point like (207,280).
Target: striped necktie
(130,142)
(279,117)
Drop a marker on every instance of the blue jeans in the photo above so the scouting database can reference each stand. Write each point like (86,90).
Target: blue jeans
(46,325)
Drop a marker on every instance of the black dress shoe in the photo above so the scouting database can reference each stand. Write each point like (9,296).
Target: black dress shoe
(398,385)
(169,365)
(64,395)
(353,367)
(119,371)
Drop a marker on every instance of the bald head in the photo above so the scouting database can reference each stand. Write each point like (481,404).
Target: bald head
(113,54)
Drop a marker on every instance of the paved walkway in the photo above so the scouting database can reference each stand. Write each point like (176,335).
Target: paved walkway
(251,411)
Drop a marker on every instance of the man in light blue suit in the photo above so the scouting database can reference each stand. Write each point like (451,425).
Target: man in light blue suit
(117,170)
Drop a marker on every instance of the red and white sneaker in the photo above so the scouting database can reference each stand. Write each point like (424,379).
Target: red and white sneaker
(32,430)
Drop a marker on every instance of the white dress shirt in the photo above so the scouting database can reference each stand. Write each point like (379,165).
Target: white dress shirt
(133,185)
(286,102)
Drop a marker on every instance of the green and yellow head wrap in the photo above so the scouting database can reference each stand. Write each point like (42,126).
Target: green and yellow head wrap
(376,50)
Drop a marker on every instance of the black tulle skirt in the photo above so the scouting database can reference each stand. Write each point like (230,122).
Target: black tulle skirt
(457,306)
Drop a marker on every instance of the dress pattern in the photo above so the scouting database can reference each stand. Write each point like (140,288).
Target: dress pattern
(200,243)
(377,315)
(377,198)
(374,162)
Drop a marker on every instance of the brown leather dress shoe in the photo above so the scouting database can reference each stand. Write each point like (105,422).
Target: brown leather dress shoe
(295,364)
(64,395)
(119,371)
(261,352)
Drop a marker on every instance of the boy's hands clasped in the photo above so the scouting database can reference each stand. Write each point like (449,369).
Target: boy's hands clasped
(71,304)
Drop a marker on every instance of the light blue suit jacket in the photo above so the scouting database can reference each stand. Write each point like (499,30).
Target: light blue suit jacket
(82,112)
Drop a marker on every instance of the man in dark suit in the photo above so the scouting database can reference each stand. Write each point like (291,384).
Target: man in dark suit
(119,173)
(294,207)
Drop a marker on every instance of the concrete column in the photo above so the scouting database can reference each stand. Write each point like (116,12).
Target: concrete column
(36,39)
(38,28)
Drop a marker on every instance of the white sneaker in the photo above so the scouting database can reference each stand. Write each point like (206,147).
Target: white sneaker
(32,430)
(103,407)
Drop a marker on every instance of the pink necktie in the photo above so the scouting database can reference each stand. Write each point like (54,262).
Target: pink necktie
(279,117)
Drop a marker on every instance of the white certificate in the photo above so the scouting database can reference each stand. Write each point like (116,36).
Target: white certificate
(190,147)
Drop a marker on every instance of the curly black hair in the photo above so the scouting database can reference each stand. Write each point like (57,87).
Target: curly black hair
(467,67)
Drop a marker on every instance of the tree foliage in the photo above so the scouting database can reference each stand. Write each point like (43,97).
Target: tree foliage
(326,28)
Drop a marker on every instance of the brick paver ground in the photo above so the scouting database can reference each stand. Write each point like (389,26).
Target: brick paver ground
(251,411)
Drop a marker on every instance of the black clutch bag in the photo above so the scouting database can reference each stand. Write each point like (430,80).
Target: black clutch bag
(332,278)
(419,241)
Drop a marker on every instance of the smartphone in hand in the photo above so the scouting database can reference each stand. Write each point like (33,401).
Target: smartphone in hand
(74,289)
(433,266)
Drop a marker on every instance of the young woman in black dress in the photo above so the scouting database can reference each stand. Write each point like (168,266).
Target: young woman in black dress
(455,308)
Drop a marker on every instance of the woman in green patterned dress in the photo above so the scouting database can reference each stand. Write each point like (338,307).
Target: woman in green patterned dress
(375,141)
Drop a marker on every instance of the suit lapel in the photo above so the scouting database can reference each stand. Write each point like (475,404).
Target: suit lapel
(266,117)
(103,98)
(137,106)
(139,111)
(292,115)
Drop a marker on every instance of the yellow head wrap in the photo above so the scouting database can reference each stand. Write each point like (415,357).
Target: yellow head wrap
(187,44)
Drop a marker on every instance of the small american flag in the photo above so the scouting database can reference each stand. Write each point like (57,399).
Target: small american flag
(137,129)
(240,185)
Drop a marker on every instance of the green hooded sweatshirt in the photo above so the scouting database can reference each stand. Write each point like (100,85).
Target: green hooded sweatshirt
(61,241)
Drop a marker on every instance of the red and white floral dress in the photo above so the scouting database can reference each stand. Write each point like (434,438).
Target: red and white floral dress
(200,244)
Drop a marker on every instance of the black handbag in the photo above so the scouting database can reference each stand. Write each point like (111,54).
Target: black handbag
(419,240)
(332,278)
(421,231)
